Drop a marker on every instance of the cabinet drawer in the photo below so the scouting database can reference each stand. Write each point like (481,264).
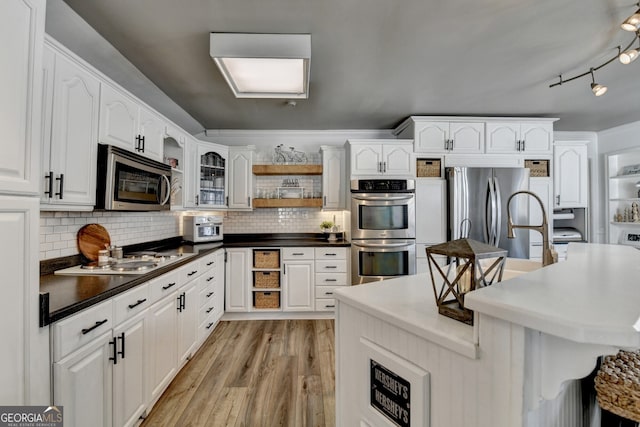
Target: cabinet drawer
(206,311)
(330,253)
(131,303)
(337,266)
(326,291)
(325,304)
(189,272)
(297,253)
(75,331)
(207,294)
(331,279)
(208,262)
(164,285)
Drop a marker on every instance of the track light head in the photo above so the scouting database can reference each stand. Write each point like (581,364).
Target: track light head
(628,56)
(632,23)
(596,88)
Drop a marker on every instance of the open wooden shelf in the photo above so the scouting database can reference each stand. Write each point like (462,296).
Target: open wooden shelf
(287,203)
(287,169)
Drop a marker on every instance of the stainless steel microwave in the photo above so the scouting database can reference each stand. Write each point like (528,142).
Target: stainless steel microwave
(130,182)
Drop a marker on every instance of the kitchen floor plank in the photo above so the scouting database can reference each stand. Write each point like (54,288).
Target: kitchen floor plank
(249,373)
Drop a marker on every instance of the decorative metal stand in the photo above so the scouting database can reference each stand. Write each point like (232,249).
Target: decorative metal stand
(470,274)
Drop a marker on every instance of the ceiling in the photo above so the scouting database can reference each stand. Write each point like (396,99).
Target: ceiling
(374,62)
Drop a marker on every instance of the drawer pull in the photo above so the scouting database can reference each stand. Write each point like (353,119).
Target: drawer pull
(169,285)
(209,294)
(209,325)
(192,273)
(210,309)
(209,263)
(330,280)
(298,253)
(98,323)
(328,254)
(328,293)
(140,301)
(331,266)
(211,278)
(330,305)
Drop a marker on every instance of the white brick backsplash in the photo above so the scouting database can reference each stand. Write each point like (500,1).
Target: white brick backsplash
(279,220)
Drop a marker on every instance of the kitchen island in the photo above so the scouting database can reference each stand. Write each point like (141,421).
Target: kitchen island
(534,335)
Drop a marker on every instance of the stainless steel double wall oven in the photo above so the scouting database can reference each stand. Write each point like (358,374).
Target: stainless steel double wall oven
(382,229)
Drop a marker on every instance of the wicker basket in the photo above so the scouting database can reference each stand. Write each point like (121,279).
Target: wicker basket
(429,168)
(266,299)
(537,168)
(618,384)
(266,259)
(266,279)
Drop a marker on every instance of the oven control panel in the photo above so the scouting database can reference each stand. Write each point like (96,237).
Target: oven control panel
(382,185)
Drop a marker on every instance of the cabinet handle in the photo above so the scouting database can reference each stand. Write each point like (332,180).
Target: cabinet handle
(169,285)
(115,351)
(61,179)
(324,201)
(209,263)
(330,266)
(184,301)
(328,293)
(192,273)
(137,147)
(140,301)
(524,146)
(49,176)
(197,200)
(209,294)
(226,200)
(518,145)
(329,254)
(298,253)
(249,201)
(98,323)
(209,310)
(209,325)
(446,144)
(121,352)
(142,141)
(181,304)
(558,199)
(210,278)
(384,167)
(330,305)
(330,280)
(284,269)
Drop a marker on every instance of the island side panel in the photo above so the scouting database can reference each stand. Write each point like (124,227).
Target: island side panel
(461,391)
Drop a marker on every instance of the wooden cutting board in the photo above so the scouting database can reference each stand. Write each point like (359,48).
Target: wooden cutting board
(91,239)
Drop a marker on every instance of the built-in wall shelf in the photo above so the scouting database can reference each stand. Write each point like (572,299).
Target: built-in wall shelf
(287,203)
(287,169)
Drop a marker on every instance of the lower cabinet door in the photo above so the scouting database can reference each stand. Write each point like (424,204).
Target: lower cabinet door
(163,352)
(130,395)
(188,321)
(298,286)
(83,384)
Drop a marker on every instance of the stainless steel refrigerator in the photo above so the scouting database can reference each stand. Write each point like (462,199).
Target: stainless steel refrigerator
(477,202)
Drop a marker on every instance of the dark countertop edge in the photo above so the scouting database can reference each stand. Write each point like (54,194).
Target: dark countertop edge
(200,249)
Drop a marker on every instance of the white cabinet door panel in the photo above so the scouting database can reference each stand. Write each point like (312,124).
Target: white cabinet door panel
(298,286)
(118,118)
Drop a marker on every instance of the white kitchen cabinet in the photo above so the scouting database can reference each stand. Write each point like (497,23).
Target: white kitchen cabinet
(130,393)
(298,279)
(622,176)
(333,177)
(237,279)
(531,137)
(22,32)
(445,136)
(570,175)
(127,124)
(431,208)
(70,133)
(83,383)
(380,157)
(331,272)
(240,177)
(163,350)
(24,358)
(211,288)
(187,306)
(209,177)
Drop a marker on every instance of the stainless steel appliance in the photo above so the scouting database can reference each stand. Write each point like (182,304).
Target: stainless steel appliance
(382,229)
(202,228)
(477,200)
(130,182)
(132,264)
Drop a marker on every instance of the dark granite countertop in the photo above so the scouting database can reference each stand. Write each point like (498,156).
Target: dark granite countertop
(67,295)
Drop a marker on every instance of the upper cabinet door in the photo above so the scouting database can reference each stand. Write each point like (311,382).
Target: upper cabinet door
(431,137)
(74,134)
(570,176)
(240,178)
(22,32)
(396,159)
(366,159)
(466,137)
(537,137)
(333,178)
(152,130)
(118,119)
(503,137)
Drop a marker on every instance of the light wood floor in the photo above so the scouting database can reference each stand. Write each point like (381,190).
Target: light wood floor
(255,373)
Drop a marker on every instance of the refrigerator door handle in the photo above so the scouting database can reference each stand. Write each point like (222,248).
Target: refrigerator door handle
(488,209)
(498,204)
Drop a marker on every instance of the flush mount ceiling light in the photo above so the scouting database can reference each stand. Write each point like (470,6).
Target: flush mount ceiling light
(626,56)
(263,65)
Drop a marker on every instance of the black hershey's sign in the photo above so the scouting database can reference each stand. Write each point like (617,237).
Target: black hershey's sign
(390,394)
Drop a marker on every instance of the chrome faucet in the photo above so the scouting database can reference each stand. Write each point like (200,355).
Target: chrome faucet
(547,252)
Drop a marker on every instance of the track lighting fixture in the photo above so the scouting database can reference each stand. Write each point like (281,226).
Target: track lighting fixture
(626,56)
(632,23)
(597,89)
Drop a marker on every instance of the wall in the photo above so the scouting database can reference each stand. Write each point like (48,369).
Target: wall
(58,230)
(280,220)
(609,141)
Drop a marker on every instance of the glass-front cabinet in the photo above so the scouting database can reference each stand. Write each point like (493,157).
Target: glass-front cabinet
(212,188)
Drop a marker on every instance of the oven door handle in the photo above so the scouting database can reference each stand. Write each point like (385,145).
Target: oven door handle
(166,199)
(382,245)
(375,198)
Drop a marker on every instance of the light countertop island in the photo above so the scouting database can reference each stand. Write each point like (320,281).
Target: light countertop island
(533,335)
